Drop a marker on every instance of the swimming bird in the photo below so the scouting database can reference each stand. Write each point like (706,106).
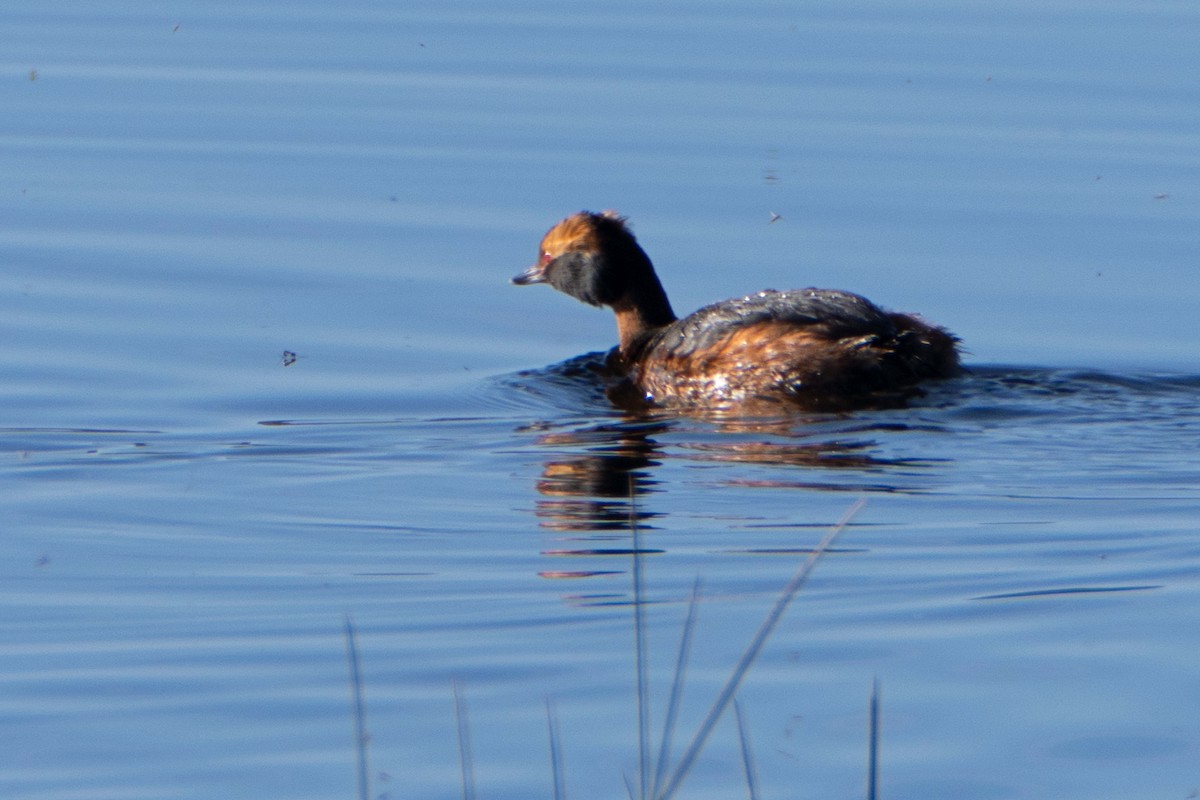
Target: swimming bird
(815,349)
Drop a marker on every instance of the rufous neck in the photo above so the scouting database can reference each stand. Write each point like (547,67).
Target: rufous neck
(637,321)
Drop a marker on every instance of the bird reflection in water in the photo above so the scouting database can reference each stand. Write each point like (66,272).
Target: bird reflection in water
(594,488)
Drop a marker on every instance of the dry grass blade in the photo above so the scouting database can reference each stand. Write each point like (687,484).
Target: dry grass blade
(640,657)
(628,787)
(360,709)
(465,758)
(556,765)
(747,754)
(685,648)
(752,650)
(873,744)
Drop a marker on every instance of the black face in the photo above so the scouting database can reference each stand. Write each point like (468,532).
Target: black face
(586,276)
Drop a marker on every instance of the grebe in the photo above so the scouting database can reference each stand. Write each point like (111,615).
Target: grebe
(815,349)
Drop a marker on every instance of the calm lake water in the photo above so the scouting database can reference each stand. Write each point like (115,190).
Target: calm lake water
(261,370)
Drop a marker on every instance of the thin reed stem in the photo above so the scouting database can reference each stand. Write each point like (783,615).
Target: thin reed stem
(358,703)
(556,758)
(465,759)
(873,744)
(685,648)
(752,650)
(640,653)
(747,754)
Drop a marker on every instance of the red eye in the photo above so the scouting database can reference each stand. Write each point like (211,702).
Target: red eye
(546,257)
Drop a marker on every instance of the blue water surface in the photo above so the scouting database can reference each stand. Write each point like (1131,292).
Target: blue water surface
(262,372)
